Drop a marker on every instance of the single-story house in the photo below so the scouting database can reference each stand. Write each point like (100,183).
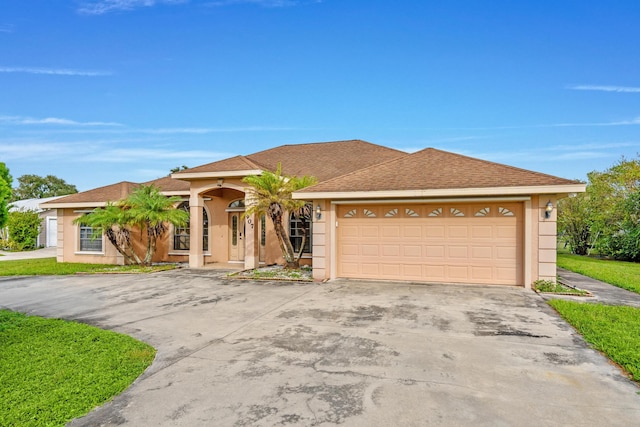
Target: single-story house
(47,235)
(378,213)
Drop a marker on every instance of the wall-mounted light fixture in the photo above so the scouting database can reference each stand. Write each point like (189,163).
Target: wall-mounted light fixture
(548,209)
(318,212)
(220,182)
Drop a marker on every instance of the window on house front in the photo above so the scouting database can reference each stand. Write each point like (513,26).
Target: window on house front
(297,227)
(182,235)
(90,239)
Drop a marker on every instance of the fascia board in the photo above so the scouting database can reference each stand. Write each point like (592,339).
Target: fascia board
(74,205)
(185,176)
(450,192)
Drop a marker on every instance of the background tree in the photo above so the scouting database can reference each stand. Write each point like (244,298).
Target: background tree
(38,187)
(179,168)
(609,193)
(271,196)
(5,193)
(147,210)
(607,217)
(574,223)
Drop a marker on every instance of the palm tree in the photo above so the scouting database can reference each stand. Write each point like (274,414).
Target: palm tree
(113,222)
(271,196)
(145,209)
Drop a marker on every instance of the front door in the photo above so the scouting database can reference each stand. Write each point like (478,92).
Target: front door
(236,237)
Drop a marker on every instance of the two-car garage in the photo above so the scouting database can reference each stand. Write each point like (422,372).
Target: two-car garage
(436,242)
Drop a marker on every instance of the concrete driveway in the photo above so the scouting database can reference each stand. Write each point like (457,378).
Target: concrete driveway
(241,353)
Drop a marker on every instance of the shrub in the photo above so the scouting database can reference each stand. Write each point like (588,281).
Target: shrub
(24,227)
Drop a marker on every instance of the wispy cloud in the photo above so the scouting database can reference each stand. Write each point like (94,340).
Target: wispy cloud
(6,28)
(133,155)
(605,88)
(55,71)
(100,7)
(263,3)
(631,122)
(19,120)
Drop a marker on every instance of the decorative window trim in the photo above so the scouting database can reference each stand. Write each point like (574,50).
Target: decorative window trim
(435,212)
(368,213)
(350,214)
(237,205)
(456,212)
(505,212)
(411,213)
(392,212)
(486,211)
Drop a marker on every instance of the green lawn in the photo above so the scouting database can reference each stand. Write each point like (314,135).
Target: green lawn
(625,275)
(49,266)
(611,329)
(52,371)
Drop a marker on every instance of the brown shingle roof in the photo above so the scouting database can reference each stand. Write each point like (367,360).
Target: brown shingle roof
(431,169)
(111,192)
(166,183)
(237,163)
(324,160)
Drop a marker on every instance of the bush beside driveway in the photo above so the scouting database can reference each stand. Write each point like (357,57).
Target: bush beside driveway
(234,353)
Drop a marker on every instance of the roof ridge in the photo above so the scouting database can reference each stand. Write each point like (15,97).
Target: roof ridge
(403,155)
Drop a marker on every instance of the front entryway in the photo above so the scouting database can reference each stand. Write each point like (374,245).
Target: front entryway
(236,237)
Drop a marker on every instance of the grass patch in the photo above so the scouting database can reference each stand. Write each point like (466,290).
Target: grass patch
(52,371)
(49,266)
(548,286)
(612,330)
(622,274)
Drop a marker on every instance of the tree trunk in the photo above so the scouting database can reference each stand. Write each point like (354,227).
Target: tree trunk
(285,245)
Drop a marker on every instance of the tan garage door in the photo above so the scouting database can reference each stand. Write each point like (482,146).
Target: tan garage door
(464,243)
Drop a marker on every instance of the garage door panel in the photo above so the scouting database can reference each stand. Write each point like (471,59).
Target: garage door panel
(458,252)
(433,252)
(508,253)
(412,251)
(482,231)
(481,273)
(434,231)
(460,272)
(470,243)
(390,250)
(505,232)
(457,232)
(434,273)
(412,232)
(390,231)
(370,250)
(369,231)
(482,252)
(412,271)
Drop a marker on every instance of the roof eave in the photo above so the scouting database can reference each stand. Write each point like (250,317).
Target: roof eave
(446,192)
(187,176)
(74,205)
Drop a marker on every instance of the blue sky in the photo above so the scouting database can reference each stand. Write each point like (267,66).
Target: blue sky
(101,91)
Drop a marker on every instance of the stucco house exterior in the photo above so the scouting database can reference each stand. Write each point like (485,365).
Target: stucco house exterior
(378,213)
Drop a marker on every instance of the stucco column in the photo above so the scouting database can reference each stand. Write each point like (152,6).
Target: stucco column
(251,251)
(547,238)
(196,253)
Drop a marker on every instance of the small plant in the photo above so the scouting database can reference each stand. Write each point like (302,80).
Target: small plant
(549,286)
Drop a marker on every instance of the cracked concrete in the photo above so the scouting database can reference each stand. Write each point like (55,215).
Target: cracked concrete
(240,353)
